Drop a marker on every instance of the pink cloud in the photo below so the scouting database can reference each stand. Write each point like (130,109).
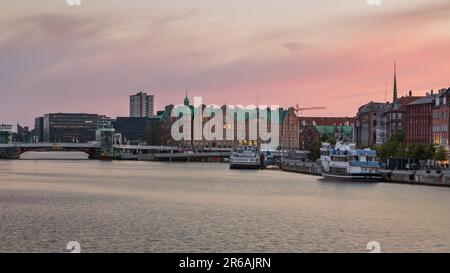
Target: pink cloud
(56,62)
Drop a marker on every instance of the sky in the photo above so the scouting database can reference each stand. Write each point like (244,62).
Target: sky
(336,54)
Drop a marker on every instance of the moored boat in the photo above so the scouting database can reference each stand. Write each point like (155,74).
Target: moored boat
(344,162)
(245,157)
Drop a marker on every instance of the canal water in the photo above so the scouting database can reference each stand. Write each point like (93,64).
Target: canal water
(205,207)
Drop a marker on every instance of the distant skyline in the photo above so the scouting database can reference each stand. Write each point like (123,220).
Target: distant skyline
(340,54)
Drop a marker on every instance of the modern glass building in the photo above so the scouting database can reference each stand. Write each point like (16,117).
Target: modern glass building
(137,130)
(132,129)
(5,134)
(39,129)
(71,127)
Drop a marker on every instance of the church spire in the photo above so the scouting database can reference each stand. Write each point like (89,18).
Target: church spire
(186,99)
(395,82)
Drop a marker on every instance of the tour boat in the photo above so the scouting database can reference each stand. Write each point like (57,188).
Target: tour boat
(245,157)
(344,161)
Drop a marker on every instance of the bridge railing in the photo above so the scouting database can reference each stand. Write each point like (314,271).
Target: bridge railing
(44,145)
(50,145)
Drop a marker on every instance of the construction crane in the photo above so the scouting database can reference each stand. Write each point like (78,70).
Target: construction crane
(299,110)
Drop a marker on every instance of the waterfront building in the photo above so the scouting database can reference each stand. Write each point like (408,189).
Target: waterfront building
(290,130)
(313,129)
(166,120)
(203,142)
(132,129)
(441,119)
(38,129)
(394,115)
(307,136)
(23,134)
(369,130)
(142,105)
(70,127)
(419,120)
(104,122)
(5,133)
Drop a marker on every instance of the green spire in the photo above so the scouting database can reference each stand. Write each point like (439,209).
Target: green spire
(395,83)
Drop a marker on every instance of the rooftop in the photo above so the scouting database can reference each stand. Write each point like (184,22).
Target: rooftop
(372,106)
(429,99)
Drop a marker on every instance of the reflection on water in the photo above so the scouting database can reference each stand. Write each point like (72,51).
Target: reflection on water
(170,207)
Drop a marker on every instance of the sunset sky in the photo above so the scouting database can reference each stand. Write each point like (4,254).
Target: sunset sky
(338,54)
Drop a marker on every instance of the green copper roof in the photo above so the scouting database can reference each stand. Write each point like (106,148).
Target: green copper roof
(347,131)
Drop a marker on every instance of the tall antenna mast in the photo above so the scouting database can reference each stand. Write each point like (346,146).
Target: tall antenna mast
(395,83)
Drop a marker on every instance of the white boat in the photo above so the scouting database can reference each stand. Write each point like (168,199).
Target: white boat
(344,161)
(245,157)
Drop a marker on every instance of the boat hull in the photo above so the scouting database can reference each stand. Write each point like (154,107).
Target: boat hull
(245,166)
(364,177)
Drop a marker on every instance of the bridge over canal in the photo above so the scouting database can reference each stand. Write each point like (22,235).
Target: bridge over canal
(96,150)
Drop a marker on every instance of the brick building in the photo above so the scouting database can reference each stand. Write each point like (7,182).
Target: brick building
(395,113)
(440,118)
(289,130)
(419,120)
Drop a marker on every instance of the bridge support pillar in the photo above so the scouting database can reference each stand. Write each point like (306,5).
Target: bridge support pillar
(9,153)
(106,138)
(5,134)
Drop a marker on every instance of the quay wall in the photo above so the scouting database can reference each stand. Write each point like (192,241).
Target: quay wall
(420,177)
(301,167)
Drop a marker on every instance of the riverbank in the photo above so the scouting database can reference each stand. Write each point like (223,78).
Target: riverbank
(301,167)
(398,177)
(420,177)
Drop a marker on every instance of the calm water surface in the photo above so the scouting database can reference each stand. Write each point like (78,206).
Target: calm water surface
(197,207)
